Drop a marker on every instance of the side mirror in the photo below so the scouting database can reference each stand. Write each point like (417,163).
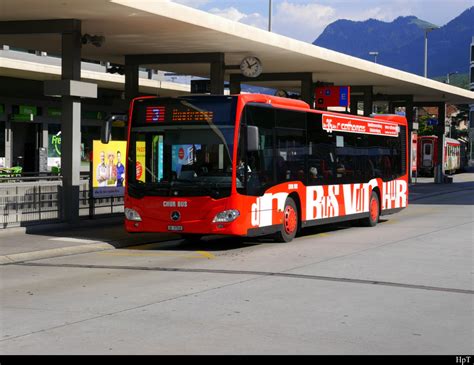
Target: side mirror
(252,138)
(106,129)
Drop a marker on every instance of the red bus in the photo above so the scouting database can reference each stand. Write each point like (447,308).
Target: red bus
(428,155)
(254,165)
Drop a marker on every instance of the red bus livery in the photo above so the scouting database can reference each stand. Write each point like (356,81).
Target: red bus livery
(252,165)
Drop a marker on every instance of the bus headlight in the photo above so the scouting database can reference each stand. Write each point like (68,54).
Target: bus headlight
(132,215)
(226,216)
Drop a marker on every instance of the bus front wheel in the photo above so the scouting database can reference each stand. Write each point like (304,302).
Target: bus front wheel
(290,222)
(374,211)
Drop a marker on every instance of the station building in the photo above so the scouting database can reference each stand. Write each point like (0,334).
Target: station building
(30,122)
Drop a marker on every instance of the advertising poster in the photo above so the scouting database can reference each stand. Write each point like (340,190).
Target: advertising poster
(414,151)
(108,168)
(54,150)
(141,161)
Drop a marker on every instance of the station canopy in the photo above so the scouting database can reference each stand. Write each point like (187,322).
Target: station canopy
(133,27)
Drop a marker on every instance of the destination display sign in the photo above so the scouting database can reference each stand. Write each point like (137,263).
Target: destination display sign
(157,114)
(190,115)
(332,123)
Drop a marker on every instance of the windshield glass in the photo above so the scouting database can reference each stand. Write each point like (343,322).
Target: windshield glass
(182,147)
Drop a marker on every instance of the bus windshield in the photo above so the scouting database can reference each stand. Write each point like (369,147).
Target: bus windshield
(182,147)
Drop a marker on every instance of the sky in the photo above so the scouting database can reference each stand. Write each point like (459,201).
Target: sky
(306,19)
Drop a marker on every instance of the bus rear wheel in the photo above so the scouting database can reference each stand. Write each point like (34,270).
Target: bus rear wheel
(374,211)
(290,222)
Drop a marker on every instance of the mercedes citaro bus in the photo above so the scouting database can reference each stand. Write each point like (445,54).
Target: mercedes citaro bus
(255,165)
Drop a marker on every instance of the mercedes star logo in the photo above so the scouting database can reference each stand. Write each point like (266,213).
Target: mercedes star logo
(175,216)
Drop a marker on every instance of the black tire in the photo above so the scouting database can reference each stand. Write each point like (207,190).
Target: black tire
(374,211)
(290,225)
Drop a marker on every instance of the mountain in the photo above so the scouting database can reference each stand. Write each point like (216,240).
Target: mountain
(400,43)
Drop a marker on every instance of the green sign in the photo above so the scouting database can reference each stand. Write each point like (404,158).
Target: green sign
(54,112)
(28,110)
(22,117)
(26,113)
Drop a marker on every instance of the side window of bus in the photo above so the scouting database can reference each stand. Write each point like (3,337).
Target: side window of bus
(385,157)
(321,161)
(291,150)
(261,174)
(351,151)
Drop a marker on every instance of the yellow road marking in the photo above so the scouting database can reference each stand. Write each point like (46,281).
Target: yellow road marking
(207,255)
(318,235)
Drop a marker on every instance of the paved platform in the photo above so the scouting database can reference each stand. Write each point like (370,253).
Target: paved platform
(55,240)
(402,287)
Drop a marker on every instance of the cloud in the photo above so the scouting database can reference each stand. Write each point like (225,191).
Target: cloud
(229,13)
(253,19)
(192,3)
(299,19)
(306,19)
(302,21)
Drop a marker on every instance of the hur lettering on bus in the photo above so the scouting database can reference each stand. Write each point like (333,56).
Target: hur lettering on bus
(319,205)
(394,194)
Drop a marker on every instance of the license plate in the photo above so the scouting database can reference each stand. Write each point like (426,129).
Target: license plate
(175,228)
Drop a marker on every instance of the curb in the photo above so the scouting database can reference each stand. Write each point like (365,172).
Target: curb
(75,250)
(61,226)
(54,252)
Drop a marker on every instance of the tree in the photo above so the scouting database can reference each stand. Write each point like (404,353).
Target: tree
(423,128)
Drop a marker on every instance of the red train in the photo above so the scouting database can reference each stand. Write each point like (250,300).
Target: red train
(428,155)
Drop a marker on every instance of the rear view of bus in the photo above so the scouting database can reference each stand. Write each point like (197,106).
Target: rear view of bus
(256,165)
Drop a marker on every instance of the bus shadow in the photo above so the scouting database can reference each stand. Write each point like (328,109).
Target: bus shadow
(230,243)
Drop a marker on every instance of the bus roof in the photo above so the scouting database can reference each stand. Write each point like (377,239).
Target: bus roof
(301,105)
(294,104)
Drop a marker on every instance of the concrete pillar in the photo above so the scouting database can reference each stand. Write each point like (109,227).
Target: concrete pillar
(44,135)
(391,107)
(217,76)
(409,115)
(354,102)
(71,127)
(8,144)
(8,137)
(235,87)
(131,81)
(439,131)
(307,90)
(368,101)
